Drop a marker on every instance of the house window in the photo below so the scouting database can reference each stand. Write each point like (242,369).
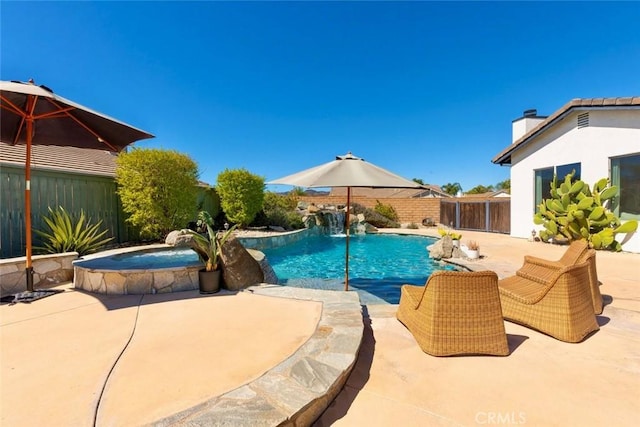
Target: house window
(625,174)
(564,170)
(543,178)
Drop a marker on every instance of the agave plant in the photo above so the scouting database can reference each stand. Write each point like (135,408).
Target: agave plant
(208,247)
(67,234)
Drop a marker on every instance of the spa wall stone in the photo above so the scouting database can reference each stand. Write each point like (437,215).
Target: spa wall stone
(48,270)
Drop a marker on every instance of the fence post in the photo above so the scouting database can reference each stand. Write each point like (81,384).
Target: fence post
(457,214)
(487,220)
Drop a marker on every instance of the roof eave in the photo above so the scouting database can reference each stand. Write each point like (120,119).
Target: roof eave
(504,157)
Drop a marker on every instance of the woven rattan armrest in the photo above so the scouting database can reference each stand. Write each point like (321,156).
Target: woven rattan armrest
(523,290)
(414,294)
(539,270)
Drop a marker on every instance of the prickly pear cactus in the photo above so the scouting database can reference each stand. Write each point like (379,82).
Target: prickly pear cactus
(575,212)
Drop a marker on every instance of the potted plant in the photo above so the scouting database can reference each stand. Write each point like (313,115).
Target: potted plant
(208,248)
(473,249)
(455,237)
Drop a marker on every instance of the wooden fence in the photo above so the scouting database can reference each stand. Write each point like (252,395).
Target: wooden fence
(468,213)
(94,194)
(492,215)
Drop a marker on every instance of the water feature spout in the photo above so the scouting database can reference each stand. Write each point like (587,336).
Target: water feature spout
(334,221)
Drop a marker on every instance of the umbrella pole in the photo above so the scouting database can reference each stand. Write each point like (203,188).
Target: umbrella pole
(27,200)
(346,229)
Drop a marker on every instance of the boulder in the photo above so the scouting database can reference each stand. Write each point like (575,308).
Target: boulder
(447,246)
(239,268)
(370,228)
(310,221)
(435,250)
(443,248)
(268,273)
(313,208)
(180,239)
(302,205)
(458,253)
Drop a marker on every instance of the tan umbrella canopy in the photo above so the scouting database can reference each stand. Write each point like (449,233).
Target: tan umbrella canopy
(347,171)
(34,115)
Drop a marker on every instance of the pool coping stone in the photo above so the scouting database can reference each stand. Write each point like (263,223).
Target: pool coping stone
(298,390)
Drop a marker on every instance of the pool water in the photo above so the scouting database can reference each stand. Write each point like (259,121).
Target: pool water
(143,260)
(379,264)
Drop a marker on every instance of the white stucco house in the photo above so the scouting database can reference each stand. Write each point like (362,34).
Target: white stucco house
(597,138)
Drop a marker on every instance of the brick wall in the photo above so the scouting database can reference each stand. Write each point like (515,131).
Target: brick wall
(409,210)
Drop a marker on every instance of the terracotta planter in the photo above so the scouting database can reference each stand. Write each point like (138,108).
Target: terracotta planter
(209,281)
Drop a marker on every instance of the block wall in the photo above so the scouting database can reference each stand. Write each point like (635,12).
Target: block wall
(409,210)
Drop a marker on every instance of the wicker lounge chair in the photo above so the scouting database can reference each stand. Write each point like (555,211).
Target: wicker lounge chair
(542,270)
(562,307)
(455,313)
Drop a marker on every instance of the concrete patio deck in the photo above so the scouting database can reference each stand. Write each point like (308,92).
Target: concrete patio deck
(248,358)
(57,353)
(543,382)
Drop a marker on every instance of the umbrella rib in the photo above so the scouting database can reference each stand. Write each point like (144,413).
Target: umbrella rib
(10,106)
(16,110)
(54,114)
(66,112)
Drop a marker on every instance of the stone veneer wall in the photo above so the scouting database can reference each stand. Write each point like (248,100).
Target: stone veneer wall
(409,210)
(48,270)
(277,240)
(126,282)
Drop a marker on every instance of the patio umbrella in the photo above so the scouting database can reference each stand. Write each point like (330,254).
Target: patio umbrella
(34,115)
(347,171)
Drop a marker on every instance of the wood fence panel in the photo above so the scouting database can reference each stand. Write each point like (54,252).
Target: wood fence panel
(12,233)
(493,215)
(473,215)
(448,213)
(93,194)
(500,216)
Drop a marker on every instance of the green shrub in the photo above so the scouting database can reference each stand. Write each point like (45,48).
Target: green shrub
(158,189)
(289,220)
(295,221)
(387,211)
(241,195)
(412,226)
(67,234)
(276,217)
(209,201)
(287,202)
(374,218)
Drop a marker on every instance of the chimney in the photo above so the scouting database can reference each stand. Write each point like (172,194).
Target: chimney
(523,125)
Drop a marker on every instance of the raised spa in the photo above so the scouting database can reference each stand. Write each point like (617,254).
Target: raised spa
(139,271)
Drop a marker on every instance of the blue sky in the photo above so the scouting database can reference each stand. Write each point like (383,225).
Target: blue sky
(425,89)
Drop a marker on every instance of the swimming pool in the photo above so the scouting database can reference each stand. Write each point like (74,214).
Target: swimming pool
(378,264)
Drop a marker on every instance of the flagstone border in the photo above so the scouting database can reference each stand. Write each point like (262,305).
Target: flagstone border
(299,389)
